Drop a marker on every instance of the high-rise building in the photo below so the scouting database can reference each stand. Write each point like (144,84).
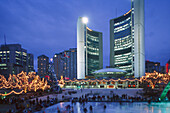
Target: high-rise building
(65,64)
(73,63)
(30,62)
(13,59)
(51,72)
(127,48)
(58,65)
(43,65)
(150,67)
(162,70)
(89,49)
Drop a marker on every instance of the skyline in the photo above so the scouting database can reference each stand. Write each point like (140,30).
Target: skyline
(20,20)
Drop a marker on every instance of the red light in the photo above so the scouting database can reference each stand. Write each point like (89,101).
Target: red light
(133,85)
(167,65)
(66,56)
(128,85)
(148,85)
(66,78)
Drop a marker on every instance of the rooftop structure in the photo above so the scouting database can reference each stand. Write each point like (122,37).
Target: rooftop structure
(109,73)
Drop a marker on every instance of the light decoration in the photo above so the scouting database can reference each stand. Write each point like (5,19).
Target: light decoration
(151,78)
(88,29)
(96,80)
(24,82)
(155,77)
(127,12)
(61,83)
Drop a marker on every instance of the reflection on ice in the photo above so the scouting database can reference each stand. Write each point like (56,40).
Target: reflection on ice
(78,108)
(111,107)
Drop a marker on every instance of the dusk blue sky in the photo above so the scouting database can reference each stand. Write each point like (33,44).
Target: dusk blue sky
(49,26)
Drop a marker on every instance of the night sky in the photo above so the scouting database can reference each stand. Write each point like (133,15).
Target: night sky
(49,26)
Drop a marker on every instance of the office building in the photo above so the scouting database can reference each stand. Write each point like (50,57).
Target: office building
(43,65)
(65,64)
(58,65)
(162,70)
(127,47)
(13,59)
(73,63)
(51,72)
(150,67)
(89,49)
(30,62)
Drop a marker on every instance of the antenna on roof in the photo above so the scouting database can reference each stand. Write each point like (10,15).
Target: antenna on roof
(5,39)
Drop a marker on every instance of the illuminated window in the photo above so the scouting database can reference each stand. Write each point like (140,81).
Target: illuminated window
(2,64)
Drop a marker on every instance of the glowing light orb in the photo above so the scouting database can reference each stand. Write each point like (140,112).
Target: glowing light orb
(85,20)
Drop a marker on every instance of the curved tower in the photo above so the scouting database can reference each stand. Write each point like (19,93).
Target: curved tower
(127,41)
(121,43)
(89,50)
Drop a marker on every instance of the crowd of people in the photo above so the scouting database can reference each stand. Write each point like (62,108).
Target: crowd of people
(111,98)
(28,104)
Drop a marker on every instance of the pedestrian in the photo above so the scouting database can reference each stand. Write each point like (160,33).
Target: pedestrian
(37,100)
(27,105)
(104,107)
(85,110)
(58,110)
(72,110)
(120,102)
(91,108)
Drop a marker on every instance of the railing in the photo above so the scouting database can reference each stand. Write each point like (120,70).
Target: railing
(165,91)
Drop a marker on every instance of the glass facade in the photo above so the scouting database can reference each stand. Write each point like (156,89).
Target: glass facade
(65,64)
(127,41)
(123,42)
(43,65)
(89,50)
(30,62)
(4,58)
(92,46)
(13,59)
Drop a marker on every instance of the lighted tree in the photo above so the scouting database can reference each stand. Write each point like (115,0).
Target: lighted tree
(30,82)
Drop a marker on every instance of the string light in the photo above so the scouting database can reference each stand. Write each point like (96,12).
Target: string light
(155,77)
(12,92)
(150,78)
(30,82)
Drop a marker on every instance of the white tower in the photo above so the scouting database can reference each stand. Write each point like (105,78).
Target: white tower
(81,37)
(139,40)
